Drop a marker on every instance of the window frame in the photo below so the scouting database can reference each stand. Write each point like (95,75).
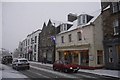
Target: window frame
(62,39)
(116,27)
(79,36)
(115,7)
(70,37)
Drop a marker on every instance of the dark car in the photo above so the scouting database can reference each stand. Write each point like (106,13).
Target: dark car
(65,66)
(6,60)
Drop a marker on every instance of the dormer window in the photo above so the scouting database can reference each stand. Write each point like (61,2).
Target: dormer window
(63,27)
(82,19)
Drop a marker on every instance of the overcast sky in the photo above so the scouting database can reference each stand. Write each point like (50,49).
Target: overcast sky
(22,18)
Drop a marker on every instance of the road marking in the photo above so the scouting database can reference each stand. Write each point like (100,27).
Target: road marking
(40,74)
(57,73)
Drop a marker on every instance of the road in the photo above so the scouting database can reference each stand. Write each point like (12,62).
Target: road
(44,72)
(38,71)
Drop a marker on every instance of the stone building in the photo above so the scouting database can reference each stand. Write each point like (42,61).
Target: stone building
(47,42)
(111,33)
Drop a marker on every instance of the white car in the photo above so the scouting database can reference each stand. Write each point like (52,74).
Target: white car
(20,63)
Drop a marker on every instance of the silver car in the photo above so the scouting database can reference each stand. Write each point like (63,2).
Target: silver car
(20,63)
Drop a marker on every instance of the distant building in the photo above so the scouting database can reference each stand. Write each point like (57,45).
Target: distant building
(32,45)
(82,43)
(111,33)
(29,46)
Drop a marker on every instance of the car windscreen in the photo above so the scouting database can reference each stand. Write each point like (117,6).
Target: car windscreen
(23,60)
(66,62)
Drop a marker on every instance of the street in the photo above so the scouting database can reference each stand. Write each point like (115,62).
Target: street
(40,71)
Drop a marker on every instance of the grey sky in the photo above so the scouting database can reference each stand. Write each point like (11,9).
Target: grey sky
(22,18)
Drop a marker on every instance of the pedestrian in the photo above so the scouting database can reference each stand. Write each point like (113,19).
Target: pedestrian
(45,60)
(42,60)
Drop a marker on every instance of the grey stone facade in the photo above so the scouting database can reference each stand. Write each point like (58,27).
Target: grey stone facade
(46,43)
(111,40)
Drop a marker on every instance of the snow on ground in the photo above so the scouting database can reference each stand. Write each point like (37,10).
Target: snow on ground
(8,72)
(0,71)
(112,73)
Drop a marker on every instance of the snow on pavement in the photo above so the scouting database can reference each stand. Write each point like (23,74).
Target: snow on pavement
(112,73)
(8,72)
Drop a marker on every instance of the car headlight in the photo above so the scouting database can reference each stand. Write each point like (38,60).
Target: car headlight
(71,68)
(77,67)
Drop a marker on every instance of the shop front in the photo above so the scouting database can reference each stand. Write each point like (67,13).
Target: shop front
(79,57)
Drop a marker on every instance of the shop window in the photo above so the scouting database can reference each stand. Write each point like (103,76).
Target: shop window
(99,57)
(110,55)
(118,52)
(84,58)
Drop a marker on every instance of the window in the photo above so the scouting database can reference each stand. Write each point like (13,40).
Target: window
(70,37)
(83,18)
(35,39)
(28,41)
(35,48)
(65,26)
(31,40)
(110,54)
(79,36)
(118,52)
(115,7)
(116,27)
(62,39)
(119,5)
(99,57)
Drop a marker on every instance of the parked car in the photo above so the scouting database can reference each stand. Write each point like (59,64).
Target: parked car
(20,63)
(6,59)
(63,65)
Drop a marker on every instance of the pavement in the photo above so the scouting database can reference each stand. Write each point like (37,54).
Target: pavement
(102,72)
(8,72)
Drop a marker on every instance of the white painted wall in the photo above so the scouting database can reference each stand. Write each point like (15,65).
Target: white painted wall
(91,34)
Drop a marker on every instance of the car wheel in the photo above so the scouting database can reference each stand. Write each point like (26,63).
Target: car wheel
(76,71)
(17,68)
(28,68)
(66,70)
(54,68)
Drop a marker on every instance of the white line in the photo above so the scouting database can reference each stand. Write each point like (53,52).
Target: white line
(57,73)
(40,74)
